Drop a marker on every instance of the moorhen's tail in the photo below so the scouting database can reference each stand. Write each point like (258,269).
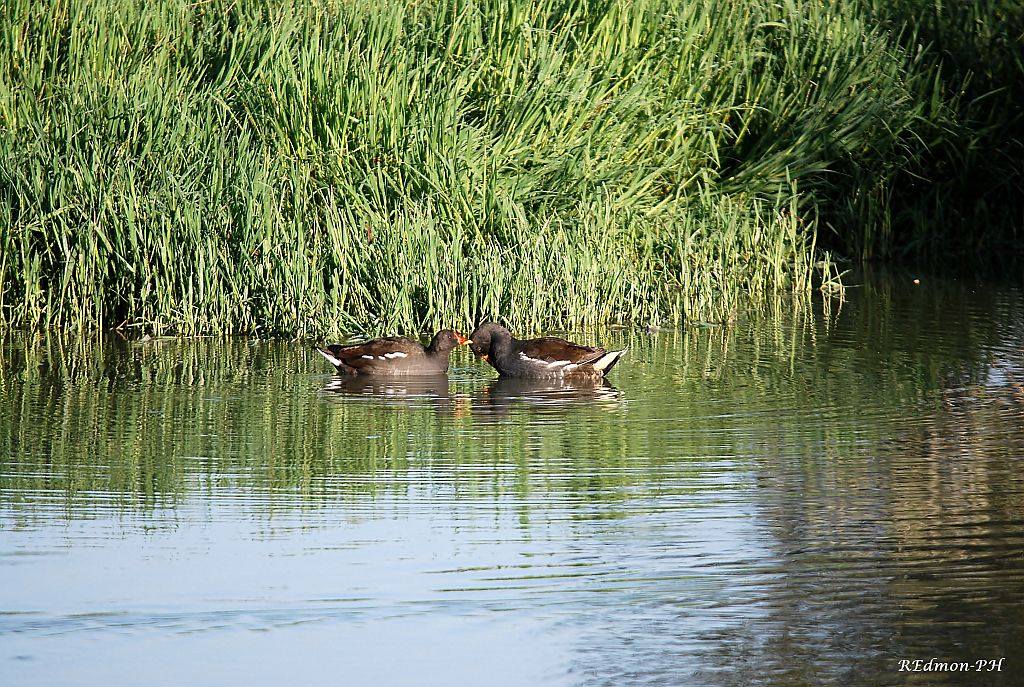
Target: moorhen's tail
(605,363)
(331,358)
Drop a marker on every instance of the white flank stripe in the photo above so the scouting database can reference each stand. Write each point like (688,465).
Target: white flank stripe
(559,366)
(395,355)
(538,361)
(368,357)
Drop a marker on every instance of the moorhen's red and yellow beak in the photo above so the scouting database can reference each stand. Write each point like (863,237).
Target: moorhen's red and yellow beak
(463,340)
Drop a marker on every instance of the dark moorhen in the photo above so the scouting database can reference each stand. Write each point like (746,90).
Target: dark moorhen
(394,355)
(539,358)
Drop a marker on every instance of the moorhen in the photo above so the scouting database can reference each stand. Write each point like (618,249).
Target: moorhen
(394,355)
(539,358)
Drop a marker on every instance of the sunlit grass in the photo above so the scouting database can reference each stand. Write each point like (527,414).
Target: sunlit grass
(312,168)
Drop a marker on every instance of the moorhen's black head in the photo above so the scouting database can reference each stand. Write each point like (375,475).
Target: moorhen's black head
(480,339)
(447,340)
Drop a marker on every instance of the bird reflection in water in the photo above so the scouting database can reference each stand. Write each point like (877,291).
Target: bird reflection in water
(544,395)
(419,391)
(497,399)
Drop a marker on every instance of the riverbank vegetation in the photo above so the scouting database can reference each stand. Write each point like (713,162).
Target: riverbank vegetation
(315,167)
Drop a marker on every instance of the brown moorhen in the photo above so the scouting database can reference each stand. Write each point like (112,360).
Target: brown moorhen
(394,355)
(539,358)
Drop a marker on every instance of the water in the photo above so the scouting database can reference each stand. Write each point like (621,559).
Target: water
(799,499)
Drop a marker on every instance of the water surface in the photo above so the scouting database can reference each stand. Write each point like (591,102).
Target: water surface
(797,499)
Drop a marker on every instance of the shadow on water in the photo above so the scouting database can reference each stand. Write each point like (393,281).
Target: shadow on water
(801,498)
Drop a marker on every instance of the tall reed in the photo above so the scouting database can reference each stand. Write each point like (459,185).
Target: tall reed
(312,167)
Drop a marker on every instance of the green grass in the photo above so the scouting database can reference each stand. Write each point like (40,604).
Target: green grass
(958,191)
(314,167)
